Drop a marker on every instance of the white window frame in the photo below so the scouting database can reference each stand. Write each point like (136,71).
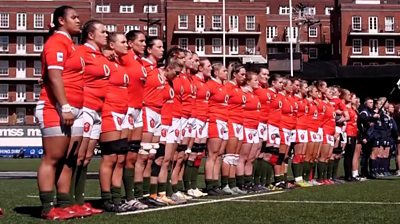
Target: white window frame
(38,42)
(356,25)
(150,9)
(103,8)
(267,10)
(357,49)
(4,91)
(234,23)
(4,45)
(232,48)
(38,20)
(251,46)
(271,32)
(250,25)
(316,53)
(111,28)
(217,45)
(373,24)
(273,50)
(389,23)
(21,21)
(4,20)
(20,68)
(153,31)
(21,115)
(292,35)
(4,115)
(328,10)
(128,28)
(37,68)
(200,46)
(217,22)
(4,67)
(182,42)
(284,10)
(310,11)
(200,22)
(392,47)
(20,93)
(36,91)
(126,8)
(183,21)
(313,31)
(371,47)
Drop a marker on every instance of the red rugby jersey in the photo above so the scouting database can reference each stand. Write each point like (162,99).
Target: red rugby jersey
(312,116)
(288,119)
(187,95)
(117,90)
(351,126)
(137,74)
(168,95)
(95,77)
(154,87)
(60,53)
(338,104)
(321,107)
(265,101)
(178,89)
(302,111)
(218,104)
(236,102)
(251,110)
(275,113)
(202,93)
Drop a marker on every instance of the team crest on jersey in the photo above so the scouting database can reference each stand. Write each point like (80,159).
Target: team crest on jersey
(323,109)
(208,94)
(171,93)
(152,123)
(160,78)
(269,96)
(334,114)
(86,127)
(306,109)
(144,72)
(280,104)
(258,106)
(106,71)
(193,90)
(296,106)
(315,114)
(291,108)
(226,98)
(182,90)
(119,120)
(244,99)
(126,80)
(164,132)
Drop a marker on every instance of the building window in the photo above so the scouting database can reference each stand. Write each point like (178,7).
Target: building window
(267,10)
(153,31)
(4,20)
(3,68)
(309,11)
(217,22)
(4,43)
(313,53)
(182,21)
(36,91)
(38,20)
(357,63)
(150,9)
(233,46)
(21,113)
(3,91)
(284,10)
(37,43)
(233,23)
(389,46)
(271,32)
(250,22)
(37,68)
(111,28)
(183,43)
(250,46)
(328,10)
(312,31)
(357,46)
(126,9)
(103,8)
(3,115)
(389,23)
(21,21)
(216,45)
(272,50)
(128,28)
(293,34)
(200,20)
(199,48)
(356,23)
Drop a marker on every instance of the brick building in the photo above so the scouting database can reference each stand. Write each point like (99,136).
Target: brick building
(23,31)
(369,32)
(198,26)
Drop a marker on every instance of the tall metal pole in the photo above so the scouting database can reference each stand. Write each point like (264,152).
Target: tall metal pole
(290,37)
(223,32)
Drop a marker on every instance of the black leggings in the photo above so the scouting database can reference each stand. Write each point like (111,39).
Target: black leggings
(348,156)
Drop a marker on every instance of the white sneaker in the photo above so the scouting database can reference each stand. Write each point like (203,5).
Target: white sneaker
(184,196)
(192,193)
(315,182)
(137,204)
(227,190)
(398,173)
(178,198)
(199,193)
(238,191)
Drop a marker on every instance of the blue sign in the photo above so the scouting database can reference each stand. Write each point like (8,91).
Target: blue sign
(21,152)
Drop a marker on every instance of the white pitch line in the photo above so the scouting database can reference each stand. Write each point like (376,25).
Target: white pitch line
(212,201)
(319,202)
(37,196)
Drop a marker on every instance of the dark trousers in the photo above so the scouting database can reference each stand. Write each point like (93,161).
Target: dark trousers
(366,153)
(348,157)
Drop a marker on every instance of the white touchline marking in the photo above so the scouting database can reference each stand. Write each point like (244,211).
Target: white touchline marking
(319,202)
(212,201)
(37,196)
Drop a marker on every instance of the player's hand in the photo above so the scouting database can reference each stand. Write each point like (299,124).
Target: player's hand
(68,118)
(364,141)
(376,116)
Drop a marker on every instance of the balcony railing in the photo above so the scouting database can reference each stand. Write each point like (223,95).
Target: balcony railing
(211,30)
(386,30)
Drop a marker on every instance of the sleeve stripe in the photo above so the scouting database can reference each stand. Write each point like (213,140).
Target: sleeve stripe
(55,67)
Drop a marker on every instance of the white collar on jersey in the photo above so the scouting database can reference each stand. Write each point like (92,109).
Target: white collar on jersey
(64,33)
(148,60)
(90,46)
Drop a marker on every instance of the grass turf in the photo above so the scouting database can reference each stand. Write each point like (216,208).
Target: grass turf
(21,207)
